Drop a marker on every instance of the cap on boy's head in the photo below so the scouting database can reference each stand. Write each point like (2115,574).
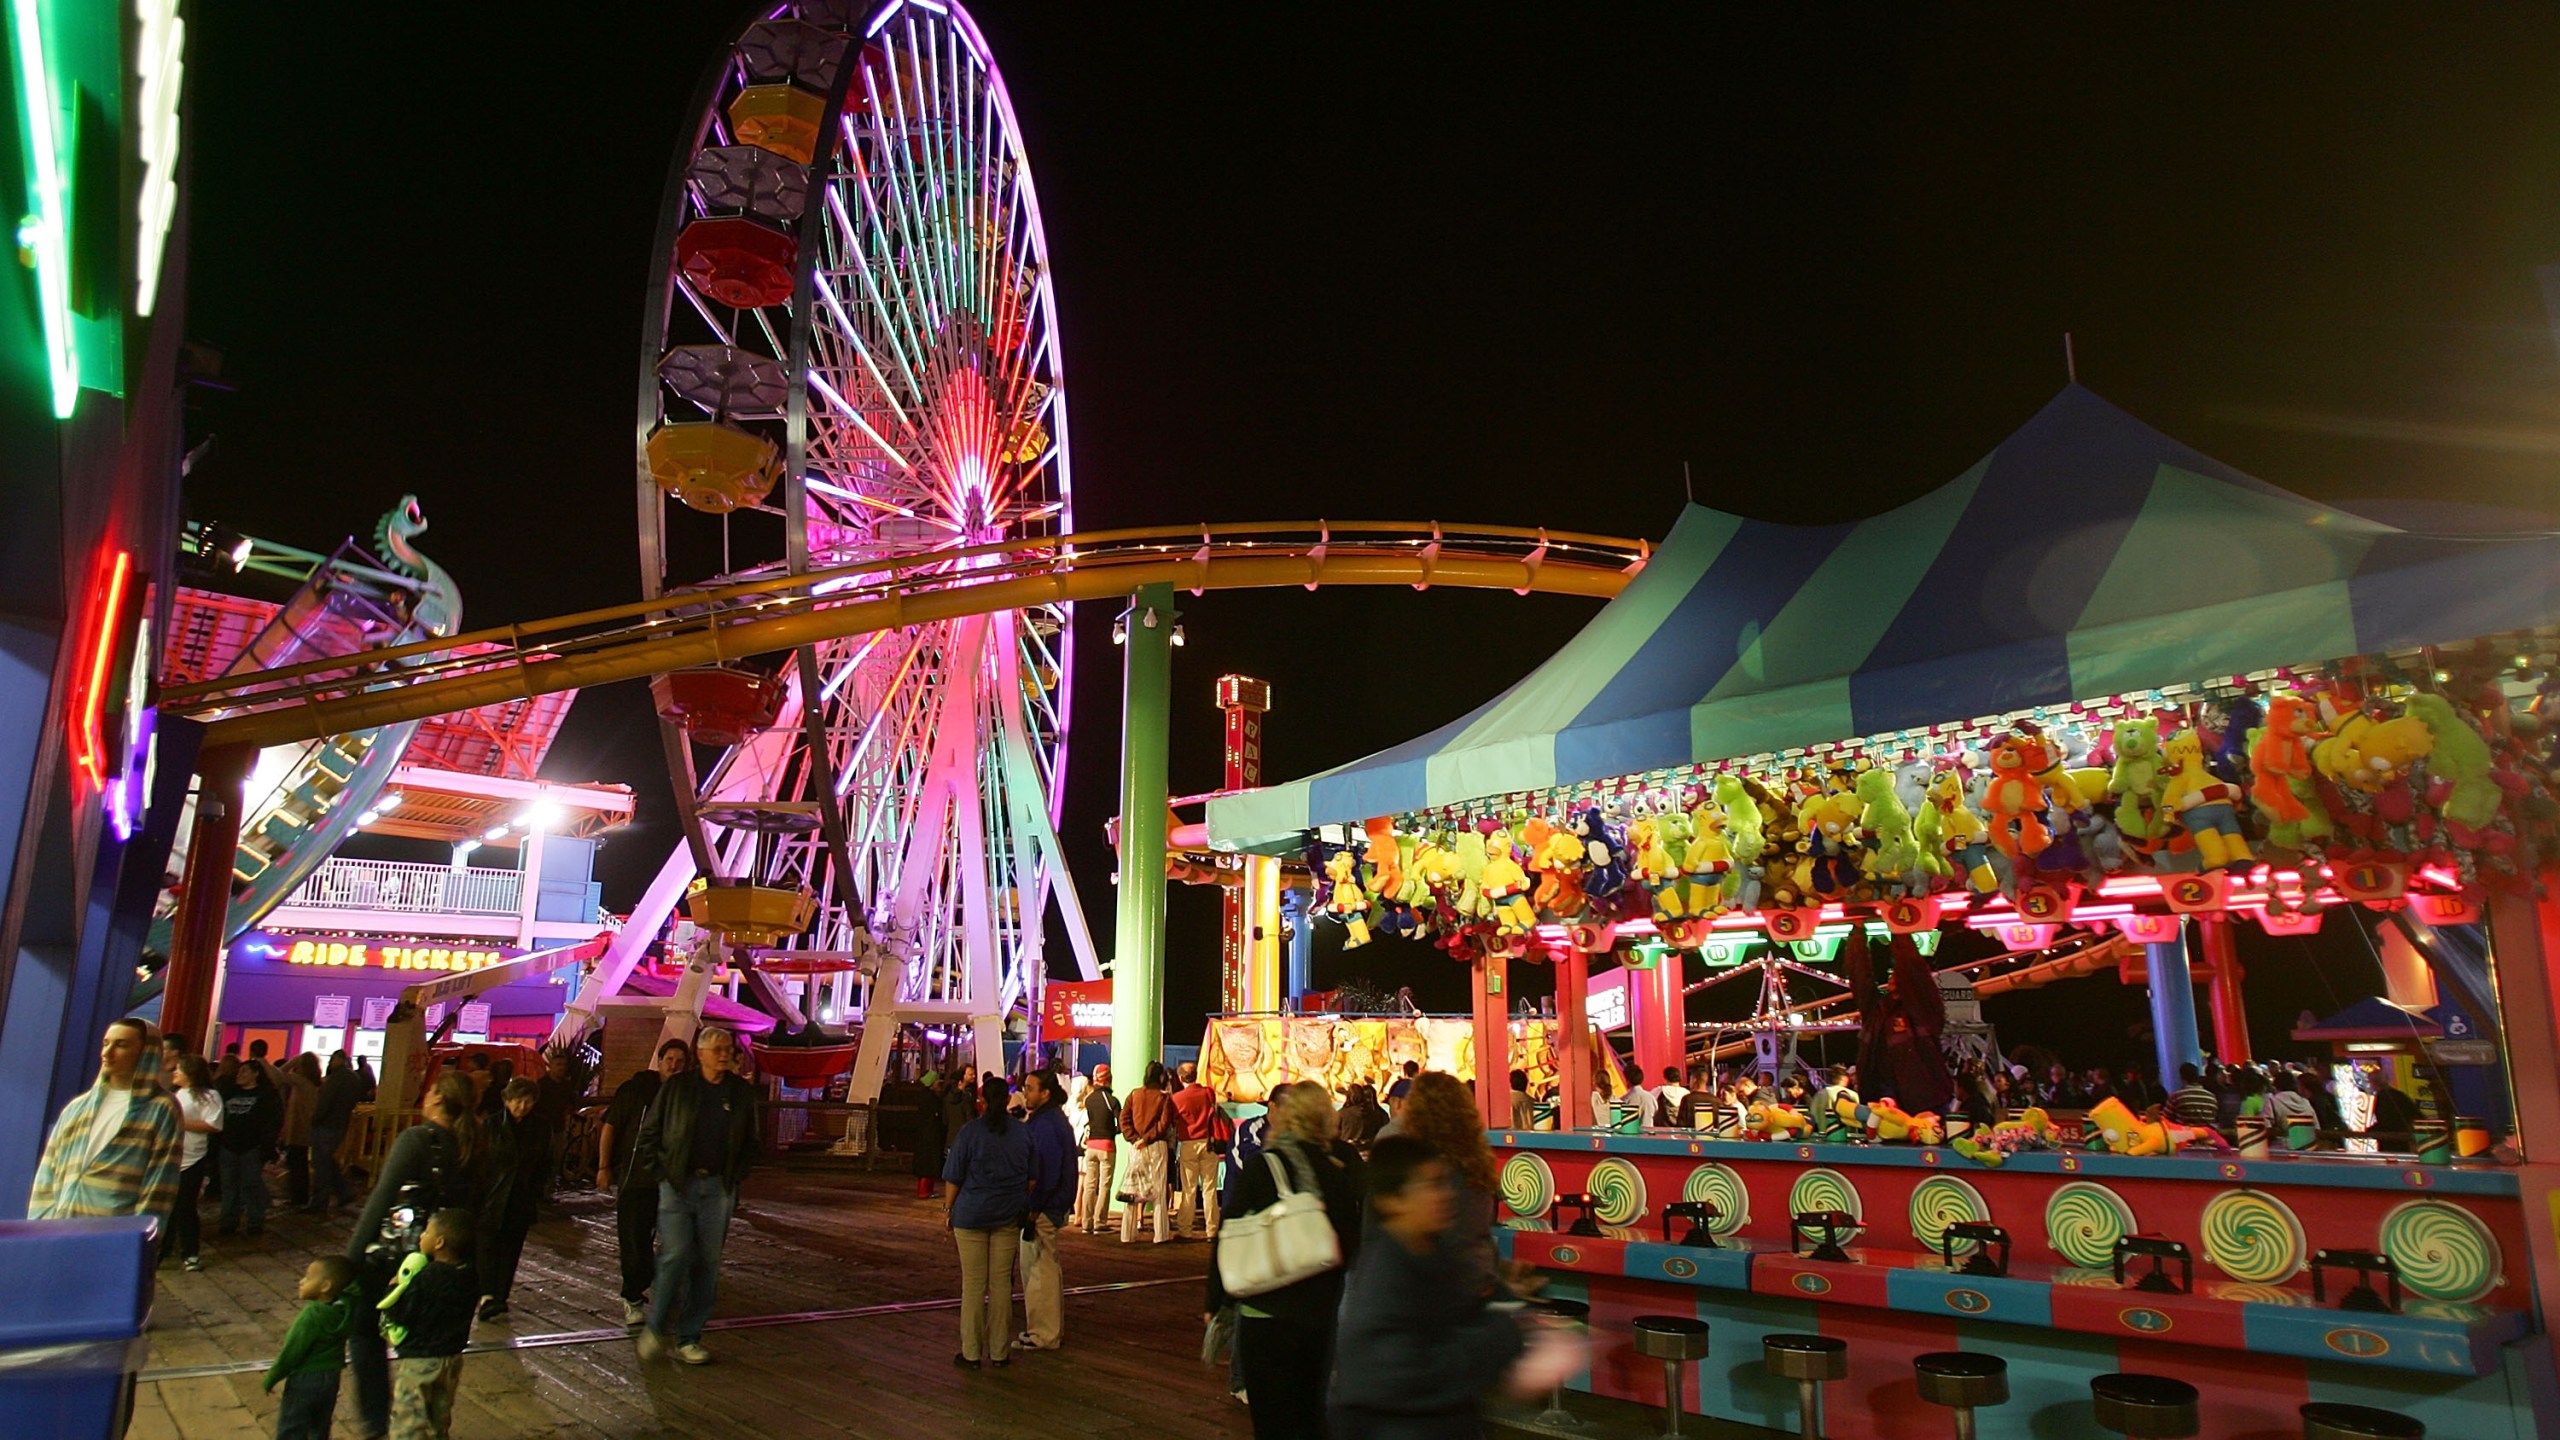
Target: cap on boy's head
(451,1225)
(336,1272)
(1395,1162)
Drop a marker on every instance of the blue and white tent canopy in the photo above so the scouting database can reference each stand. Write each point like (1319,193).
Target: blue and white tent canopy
(2089,555)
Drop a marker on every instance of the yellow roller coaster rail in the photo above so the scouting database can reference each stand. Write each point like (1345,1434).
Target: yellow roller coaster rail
(764,614)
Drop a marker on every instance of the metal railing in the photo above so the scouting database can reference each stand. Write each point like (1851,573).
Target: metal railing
(408,886)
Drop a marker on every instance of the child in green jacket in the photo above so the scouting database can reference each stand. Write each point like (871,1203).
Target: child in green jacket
(315,1350)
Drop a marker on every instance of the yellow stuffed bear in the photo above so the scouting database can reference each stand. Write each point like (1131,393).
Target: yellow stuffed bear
(1346,901)
(1506,887)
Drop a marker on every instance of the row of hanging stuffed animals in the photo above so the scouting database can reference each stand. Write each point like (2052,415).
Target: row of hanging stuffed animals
(2338,776)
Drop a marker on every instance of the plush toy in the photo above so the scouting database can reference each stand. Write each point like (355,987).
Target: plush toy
(1428,873)
(1346,901)
(1886,1122)
(2279,755)
(2370,755)
(1770,1120)
(1911,777)
(1654,864)
(2052,770)
(2135,782)
(2112,1125)
(1834,840)
(2230,723)
(2207,805)
(1471,858)
(1961,835)
(1737,820)
(1562,885)
(1604,851)
(1893,862)
(1385,861)
(1704,863)
(2016,799)
(1993,1145)
(1506,888)
(2461,756)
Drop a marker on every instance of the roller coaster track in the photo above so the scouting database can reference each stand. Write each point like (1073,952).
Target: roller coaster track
(767,613)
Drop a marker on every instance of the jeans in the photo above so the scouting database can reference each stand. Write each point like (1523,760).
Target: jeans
(1044,1304)
(635,1229)
(693,1223)
(986,1291)
(1196,1187)
(309,1400)
(186,1219)
(1093,1186)
(368,1358)
(244,1188)
(328,1185)
(1286,1369)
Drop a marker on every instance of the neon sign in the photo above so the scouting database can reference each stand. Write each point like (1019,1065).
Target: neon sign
(160,56)
(391,957)
(89,683)
(44,237)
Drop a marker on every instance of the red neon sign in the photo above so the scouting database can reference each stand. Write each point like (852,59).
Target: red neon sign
(90,683)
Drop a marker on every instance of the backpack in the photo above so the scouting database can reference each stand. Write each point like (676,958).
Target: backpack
(1289,1240)
(404,1221)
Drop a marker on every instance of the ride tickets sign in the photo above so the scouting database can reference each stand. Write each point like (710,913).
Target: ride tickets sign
(323,952)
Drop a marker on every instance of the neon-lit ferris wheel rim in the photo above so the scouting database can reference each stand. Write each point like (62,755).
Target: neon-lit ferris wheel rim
(852,329)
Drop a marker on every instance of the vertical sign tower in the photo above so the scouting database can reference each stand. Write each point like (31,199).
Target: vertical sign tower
(1249,940)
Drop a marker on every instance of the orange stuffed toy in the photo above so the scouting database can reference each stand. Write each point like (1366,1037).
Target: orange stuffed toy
(2283,755)
(2015,801)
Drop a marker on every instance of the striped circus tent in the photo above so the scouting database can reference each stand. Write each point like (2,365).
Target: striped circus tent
(2089,555)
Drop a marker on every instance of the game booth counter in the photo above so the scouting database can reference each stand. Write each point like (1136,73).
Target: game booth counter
(2098,691)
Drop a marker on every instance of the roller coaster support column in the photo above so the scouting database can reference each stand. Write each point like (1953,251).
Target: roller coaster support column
(2230,1011)
(1145,633)
(2173,1008)
(204,900)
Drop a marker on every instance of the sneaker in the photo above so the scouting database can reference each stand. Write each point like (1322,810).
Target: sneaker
(692,1353)
(194,1263)
(1027,1341)
(633,1314)
(653,1347)
(493,1309)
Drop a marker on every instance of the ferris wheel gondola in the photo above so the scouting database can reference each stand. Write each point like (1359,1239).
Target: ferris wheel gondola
(852,331)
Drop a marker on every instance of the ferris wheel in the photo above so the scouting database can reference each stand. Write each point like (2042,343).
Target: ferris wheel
(850,356)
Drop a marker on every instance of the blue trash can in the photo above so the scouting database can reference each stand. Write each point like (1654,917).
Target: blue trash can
(71,1327)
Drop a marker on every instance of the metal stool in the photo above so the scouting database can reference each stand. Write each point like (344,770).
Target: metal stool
(1555,1416)
(1808,1360)
(2324,1421)
(1675,1340)
(2145,1407)
(1963,1381)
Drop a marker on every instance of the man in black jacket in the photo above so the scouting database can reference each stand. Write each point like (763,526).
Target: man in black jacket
(697,1143)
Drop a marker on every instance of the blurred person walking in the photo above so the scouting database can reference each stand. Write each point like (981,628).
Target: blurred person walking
(199,1120)
(436,1164)
(252,1118)
(635,1205)
(298,1081)
(697,1142)
(1285,1337)
(340,1091)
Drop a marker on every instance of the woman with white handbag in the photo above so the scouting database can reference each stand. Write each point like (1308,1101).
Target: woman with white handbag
(1273,1263)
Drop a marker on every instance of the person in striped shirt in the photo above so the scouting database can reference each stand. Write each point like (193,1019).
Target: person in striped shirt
(114,1149)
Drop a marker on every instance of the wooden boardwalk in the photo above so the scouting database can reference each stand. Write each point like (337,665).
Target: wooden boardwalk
(802,1242)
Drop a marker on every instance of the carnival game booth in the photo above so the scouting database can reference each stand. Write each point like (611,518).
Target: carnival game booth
(2097,685)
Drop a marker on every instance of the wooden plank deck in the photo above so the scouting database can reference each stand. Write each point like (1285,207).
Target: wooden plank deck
(802,1242)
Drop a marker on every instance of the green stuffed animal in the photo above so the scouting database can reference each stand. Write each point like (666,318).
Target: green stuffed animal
(2136,780)
(1893,861)
(2461,756)
(1470,849)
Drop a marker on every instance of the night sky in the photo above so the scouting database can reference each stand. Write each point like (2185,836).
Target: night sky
(1504,264)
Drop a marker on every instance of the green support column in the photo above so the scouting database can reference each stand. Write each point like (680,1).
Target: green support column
(1146,719)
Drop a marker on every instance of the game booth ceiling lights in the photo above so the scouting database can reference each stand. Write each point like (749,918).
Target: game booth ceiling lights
(2037,694)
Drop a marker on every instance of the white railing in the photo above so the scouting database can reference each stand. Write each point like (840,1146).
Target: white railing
(403,885)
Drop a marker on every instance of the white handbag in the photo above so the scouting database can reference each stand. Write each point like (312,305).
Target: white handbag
(1280,1244)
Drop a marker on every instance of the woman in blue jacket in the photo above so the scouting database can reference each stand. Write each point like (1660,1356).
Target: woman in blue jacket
(986,1180)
